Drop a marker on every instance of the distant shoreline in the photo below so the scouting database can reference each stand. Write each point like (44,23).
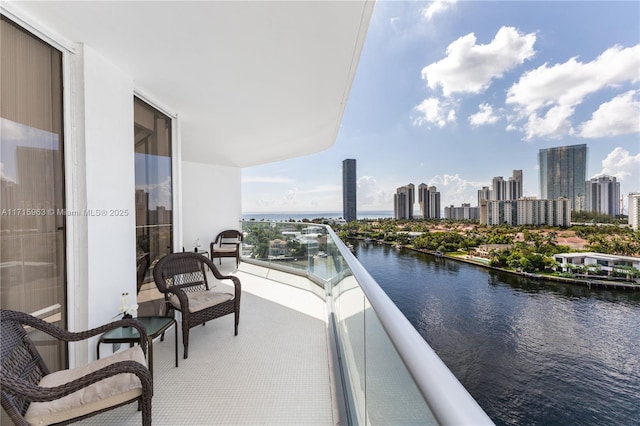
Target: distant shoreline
(286,216)
(589,283)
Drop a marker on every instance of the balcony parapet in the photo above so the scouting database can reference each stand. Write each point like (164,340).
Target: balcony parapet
(389,373)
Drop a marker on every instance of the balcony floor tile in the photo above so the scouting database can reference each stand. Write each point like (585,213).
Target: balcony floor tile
(276,371)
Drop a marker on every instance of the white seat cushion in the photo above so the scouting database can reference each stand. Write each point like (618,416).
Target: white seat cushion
(225,250)
(103,394)
(199,300)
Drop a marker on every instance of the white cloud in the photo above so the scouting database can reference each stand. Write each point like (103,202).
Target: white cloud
(624,166)
(320,189)
(13,131)
(297,199)
(554,124)
(436,7)
(485,115)
(3,176)
(371,196)
(620,116)
(290,195)
(285,200)
(159,194)
(560,88)
(470,68)
(435,111)
(455,190)
(266,179)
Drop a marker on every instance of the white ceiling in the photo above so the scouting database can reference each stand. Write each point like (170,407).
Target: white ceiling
(252,81)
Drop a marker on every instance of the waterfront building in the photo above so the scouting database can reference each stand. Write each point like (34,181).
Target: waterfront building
(607,263)
(603,195)
(349,187)
(464,212)
(563,173)
(403,201)
(483,206)
(484,194)
(500,212)
(526,211)
(429,200)
(634,210)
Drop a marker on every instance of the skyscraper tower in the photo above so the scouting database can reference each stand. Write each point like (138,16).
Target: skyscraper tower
(514,186)
(403,201)
(603,195)
(429,199)
(349,212)
(506,189)
(563,172)
(634,210)
(498,188)
(484,194)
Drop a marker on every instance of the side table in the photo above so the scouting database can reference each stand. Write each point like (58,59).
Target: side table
(155,326)
(202,252)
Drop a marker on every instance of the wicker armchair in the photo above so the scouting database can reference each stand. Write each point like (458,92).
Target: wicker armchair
(31,394)
(182,278)
(227,244)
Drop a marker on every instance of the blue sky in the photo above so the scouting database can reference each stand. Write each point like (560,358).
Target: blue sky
(453,94)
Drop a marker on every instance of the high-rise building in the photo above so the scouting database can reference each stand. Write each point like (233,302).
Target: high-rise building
(506,189)
(403,201)
(429,199)
(464,212)
(526,211)
(603,195)
(349,183)
(514,186)
(634,210)
(484,194)
(563,172)
(497,188)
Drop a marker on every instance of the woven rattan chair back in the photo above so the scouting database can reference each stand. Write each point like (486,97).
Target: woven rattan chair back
(227,244)
(178,274)
(22,367)
(20,359)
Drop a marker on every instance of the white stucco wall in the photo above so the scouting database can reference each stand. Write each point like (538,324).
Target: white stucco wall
(209,196)
(110,189)
(211,202)
(110,184)
(100,180)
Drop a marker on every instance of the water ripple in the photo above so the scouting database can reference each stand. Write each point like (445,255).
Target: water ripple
(530,352)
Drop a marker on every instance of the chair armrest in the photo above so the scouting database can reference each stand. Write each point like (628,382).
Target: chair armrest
(236,283)
(181,295)
(33,392)
(71,336)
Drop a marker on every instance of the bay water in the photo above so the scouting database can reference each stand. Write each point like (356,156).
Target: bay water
(530,352)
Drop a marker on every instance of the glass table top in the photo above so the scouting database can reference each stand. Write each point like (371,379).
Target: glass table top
(153,325)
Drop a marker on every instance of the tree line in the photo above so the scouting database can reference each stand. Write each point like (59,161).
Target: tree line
(525,248)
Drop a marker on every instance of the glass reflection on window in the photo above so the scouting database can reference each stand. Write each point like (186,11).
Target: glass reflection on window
(153,174)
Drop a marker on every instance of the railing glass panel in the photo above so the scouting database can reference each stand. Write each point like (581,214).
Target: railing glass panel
(390,375)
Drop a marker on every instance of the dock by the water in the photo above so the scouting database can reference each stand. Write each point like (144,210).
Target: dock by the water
(586,282)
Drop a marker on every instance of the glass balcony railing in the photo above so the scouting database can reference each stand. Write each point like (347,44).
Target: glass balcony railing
(389,374)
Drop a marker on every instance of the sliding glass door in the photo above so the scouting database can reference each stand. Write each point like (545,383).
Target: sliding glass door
(32,220)
(154,199)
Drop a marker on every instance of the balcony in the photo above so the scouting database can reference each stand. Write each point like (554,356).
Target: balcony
(319,343)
